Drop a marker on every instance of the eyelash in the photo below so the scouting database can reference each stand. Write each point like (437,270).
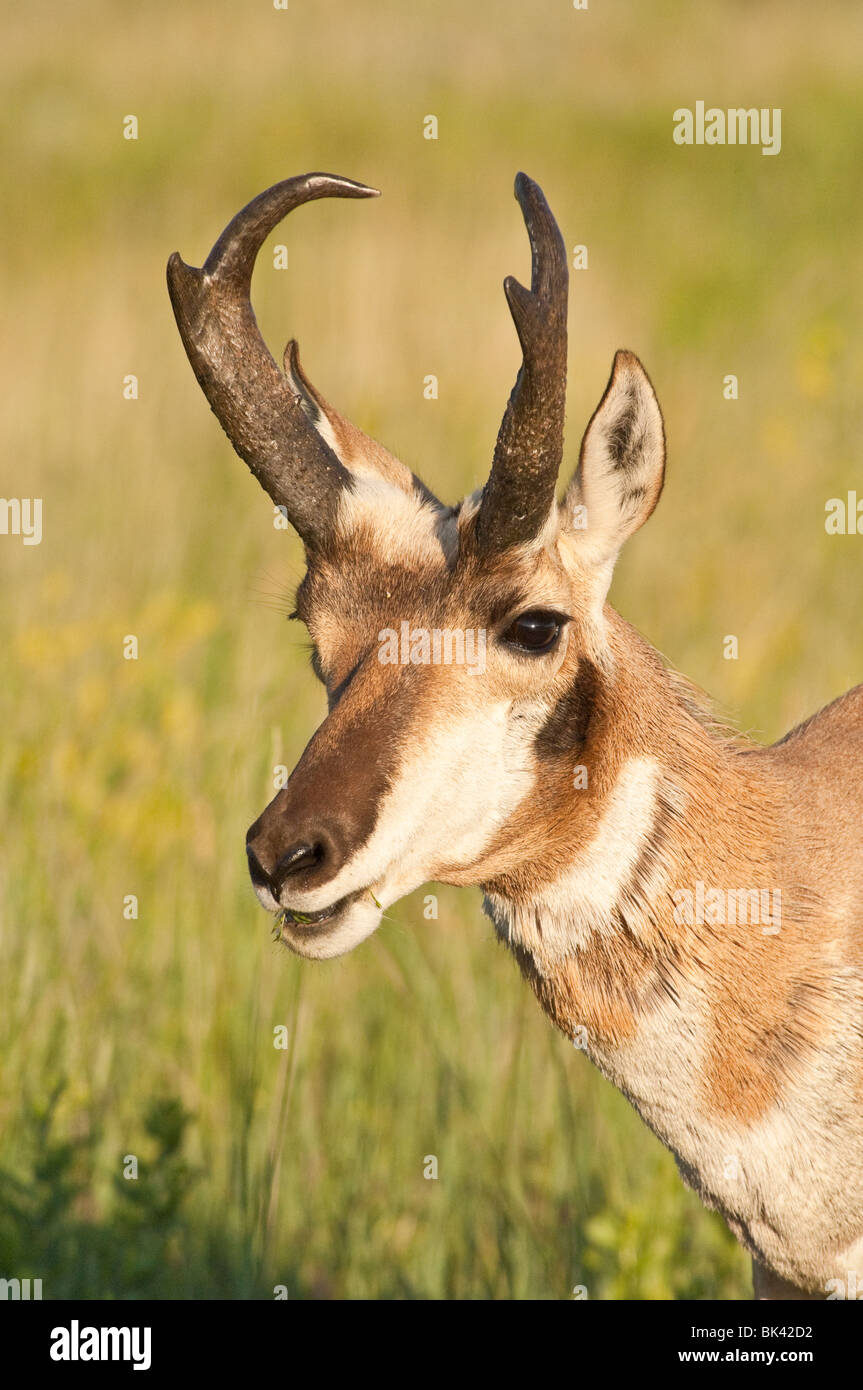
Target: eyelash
(315,662)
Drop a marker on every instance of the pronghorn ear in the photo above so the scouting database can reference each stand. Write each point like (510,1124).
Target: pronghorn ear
(621,468)
(357,451)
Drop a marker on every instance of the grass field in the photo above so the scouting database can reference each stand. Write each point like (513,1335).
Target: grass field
(154,1037)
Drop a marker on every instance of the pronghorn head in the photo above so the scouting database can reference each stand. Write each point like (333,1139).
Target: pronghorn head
(461,647)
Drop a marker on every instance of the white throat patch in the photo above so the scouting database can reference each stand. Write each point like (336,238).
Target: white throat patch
(584,900)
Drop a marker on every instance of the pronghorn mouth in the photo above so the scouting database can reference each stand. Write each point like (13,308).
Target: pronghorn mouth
(309,922)
(294,918)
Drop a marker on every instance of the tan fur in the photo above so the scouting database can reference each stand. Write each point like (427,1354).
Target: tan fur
(780,992)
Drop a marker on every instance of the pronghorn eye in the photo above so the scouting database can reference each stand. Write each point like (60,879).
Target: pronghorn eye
(536,631)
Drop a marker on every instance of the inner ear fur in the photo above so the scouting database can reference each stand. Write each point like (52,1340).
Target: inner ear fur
(621,467)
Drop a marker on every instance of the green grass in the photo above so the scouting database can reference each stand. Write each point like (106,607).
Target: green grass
(153,1037)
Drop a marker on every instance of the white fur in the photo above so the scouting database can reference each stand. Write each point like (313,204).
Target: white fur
(404,526)
(777,1181)
(439,814)
(583,901)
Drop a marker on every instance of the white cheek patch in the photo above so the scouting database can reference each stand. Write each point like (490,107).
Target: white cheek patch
(450,797)
(585,899)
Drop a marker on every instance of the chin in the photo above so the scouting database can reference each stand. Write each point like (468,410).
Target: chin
(331,932)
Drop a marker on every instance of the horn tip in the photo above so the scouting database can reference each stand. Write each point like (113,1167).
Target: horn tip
(181,277)
(344,187)
(525,187)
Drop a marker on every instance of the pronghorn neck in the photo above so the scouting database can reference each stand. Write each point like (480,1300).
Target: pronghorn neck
(725,1029)
(671,806)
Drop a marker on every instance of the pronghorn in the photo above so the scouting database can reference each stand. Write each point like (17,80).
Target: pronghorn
(684,903)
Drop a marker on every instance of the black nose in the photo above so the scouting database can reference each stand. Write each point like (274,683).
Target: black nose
(295,862)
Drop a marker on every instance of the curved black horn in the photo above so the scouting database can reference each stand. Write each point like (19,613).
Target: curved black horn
(254,403)
(519,494)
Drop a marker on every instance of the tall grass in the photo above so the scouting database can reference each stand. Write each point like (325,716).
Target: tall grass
(153,1037)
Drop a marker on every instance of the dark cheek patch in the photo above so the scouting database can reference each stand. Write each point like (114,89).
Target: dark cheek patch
(567,725)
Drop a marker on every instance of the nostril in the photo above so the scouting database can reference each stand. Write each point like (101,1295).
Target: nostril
(304,861)
(293,861)
(257,872)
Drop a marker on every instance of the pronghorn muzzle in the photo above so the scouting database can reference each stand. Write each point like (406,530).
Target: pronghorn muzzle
(305,840)
(289,849)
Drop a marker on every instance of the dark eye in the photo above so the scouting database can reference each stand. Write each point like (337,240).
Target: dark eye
(536,631)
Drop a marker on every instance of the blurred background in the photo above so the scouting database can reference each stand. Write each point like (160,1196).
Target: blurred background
(154,1036)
